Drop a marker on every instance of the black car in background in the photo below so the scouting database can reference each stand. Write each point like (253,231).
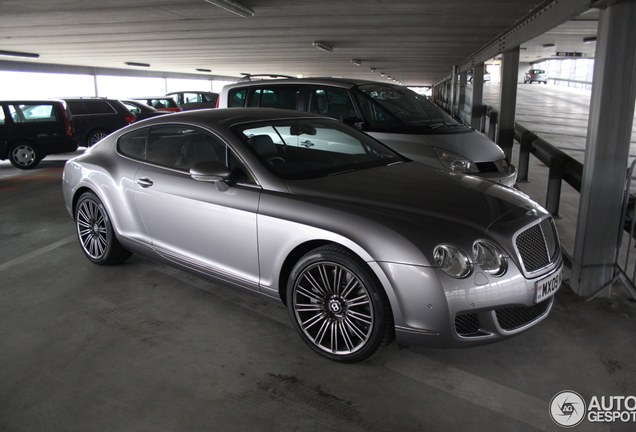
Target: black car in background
(189,100)
(141,110)
(94,118)
(30,130)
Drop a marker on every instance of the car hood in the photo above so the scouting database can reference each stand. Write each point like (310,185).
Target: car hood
(412,191)
(469,144)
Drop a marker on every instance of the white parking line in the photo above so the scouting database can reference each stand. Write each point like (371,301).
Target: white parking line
(36,253)
(480,391)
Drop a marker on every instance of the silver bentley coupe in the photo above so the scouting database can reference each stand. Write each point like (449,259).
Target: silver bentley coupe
(362,245)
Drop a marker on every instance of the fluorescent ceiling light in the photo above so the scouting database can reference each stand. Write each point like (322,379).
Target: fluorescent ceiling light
(19,54)
(323,46)
(137,64)
(548,45)
(234,7)
(204,70)
(589,39)
(356,62)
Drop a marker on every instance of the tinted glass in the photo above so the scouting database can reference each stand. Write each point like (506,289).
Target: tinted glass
(403,105)
(99,107)
(76,107)
(331,101)
(311,148)
(133,144)
(236,97)
(282,96)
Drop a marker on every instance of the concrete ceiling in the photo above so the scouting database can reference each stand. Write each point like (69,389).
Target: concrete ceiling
(414,41)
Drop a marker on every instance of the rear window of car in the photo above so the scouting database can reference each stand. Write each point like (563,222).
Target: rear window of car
(33,113)
(99,107)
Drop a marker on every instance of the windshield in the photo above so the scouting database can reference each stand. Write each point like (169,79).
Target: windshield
(311,148)
(407,107)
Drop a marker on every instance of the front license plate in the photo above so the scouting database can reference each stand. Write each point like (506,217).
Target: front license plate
(546,287)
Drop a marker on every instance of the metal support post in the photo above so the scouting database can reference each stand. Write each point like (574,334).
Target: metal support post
(477,97)
(508,104)
(607,149)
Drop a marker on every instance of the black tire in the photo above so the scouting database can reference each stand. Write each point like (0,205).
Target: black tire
(95,232)
(338,305)
(95,136)
(25,155)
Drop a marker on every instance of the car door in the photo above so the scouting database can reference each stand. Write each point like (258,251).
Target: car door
(196,223)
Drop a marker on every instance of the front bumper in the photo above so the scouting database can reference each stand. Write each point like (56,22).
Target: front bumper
(434,310)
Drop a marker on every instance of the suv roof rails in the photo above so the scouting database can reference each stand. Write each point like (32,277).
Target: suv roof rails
(248,77)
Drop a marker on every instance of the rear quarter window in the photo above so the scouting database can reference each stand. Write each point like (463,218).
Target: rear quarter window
(99,107)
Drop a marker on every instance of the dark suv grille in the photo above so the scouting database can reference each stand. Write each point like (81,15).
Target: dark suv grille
(538,246)
(515,317)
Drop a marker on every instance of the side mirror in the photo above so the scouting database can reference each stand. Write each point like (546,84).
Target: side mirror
(355,122)
(212,172)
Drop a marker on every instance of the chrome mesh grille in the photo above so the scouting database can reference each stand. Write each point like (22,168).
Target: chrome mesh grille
(467,324)
(516,317)
(538,246)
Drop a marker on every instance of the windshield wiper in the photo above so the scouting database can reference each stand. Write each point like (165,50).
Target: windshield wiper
(444,125)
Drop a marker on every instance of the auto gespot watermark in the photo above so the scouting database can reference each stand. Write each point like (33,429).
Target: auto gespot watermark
(568,409)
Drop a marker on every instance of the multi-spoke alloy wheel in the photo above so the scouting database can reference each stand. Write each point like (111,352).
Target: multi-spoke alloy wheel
(95,232)
(337,305)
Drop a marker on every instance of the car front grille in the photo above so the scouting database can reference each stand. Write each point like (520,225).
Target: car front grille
(487,167)
(513,318)
(467,324)
(538,246)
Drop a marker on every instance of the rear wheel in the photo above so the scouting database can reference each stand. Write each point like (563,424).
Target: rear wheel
(338,306)
(24,156)
(95,136)
(95,232)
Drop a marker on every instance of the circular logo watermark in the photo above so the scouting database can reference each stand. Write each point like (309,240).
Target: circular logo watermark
(567,409)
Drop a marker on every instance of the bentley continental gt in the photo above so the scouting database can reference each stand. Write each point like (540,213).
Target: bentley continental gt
(362,245)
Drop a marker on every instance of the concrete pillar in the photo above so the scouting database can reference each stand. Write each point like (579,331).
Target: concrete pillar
(453,91)
(477,97)
(607,149)
(461,103)
(508,103)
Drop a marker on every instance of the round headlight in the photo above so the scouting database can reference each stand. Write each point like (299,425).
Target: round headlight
(489,258)
(452,261)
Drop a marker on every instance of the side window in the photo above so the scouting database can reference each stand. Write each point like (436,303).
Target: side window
(181,147)
(236,97)
(331,101)
(133,144)
(76,107)
(191,98)
(1,115)
(24,113)
(281,96)
(99,107)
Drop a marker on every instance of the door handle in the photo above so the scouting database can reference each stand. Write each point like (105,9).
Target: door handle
(307,143)
(144,182)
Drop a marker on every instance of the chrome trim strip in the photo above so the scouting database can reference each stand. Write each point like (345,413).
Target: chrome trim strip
(416,331)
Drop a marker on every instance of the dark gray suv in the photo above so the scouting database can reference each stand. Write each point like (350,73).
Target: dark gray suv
(97,117)
(32,129)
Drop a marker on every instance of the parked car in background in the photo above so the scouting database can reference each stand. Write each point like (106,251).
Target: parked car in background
(405,121)
(94,118)
(32,129)
(360,243)
(160,103)
(535,75)
(189,100)
(469,78)
(141,110)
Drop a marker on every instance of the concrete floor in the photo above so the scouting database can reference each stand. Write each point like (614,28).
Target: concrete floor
(144,347)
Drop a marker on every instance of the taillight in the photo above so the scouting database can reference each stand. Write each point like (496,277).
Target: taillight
(67,124)
(130,118)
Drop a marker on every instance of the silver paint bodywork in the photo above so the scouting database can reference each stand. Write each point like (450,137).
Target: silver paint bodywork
(248,235)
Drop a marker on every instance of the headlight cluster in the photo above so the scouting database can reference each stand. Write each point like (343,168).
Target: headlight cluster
(455,262)
(454,162)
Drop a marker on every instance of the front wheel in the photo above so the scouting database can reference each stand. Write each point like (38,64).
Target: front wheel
(95,232)
(24,156)
(338,305)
